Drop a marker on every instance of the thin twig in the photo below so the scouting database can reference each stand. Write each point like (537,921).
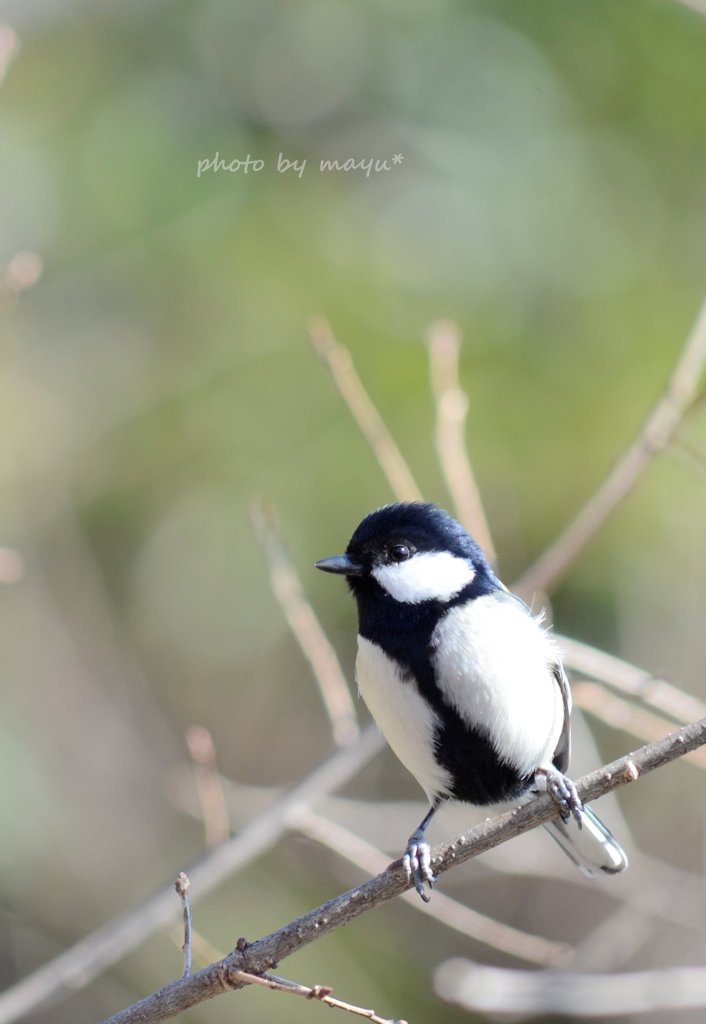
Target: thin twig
(306,628)
(79,965)
(209,785)
(655,434)
(322,993)
(340,363)
(202,950)
(182,885)
(493,990)
(523,945)
(451,411)
(262,955)
(650,888)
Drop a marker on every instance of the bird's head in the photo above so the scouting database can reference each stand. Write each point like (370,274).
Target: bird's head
(413,552)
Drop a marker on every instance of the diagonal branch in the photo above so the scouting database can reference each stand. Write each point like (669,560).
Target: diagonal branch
(451,411)
(208,784)
(320,992)
(372,426)
(77,966)
(652,438)
(466,920)
(307,630)
(265,953)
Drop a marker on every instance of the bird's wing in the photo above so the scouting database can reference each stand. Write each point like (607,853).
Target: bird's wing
(562,753)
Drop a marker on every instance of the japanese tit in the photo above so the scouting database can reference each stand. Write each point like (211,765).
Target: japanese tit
(463,680)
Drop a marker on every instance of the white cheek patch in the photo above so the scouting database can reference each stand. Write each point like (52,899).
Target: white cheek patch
(428,576)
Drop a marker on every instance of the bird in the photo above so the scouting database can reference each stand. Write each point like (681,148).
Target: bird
(464,681)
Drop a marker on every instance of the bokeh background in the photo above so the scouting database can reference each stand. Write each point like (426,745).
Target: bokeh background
(157,378)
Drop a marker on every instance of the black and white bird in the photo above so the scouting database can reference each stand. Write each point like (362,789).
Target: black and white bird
(465,683)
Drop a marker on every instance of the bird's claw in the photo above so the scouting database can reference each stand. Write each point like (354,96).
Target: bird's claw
(417,864)
(564,794)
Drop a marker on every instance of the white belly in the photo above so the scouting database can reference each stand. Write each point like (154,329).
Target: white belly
(506,688)
(405,719)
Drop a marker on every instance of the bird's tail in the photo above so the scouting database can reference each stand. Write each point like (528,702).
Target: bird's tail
(593,848)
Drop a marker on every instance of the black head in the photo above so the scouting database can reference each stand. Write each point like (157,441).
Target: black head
(413,552)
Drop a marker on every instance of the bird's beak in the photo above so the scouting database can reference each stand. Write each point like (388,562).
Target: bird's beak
(343,565)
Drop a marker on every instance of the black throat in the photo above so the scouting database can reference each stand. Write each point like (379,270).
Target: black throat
(405,632)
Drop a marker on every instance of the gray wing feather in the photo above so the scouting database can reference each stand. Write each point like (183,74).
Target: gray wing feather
(562,754)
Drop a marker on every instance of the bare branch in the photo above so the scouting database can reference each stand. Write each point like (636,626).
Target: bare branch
(523,945)
(650,888)
(338,360)
(494,990)
(77,966)
(262,955)
(451,411)
(322,993)
(182,887)
(306,628)
(209,785)
(655,434)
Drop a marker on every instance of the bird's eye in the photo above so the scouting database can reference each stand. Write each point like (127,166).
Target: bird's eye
(400,553)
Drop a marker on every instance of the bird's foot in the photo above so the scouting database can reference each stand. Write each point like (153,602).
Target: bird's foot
(417,863)
(563,792)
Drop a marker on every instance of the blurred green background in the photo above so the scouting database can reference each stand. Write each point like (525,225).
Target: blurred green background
(157,378)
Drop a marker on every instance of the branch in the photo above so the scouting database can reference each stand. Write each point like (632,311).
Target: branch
(451,411)
(209,785)
(651,887)
(654,436)
(77,966)
(182,886)
(307,630)
(322,993)
(487,930)
(372,426)
(262,955)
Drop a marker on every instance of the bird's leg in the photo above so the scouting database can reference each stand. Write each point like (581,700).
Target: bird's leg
(562,791)
(417,857)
